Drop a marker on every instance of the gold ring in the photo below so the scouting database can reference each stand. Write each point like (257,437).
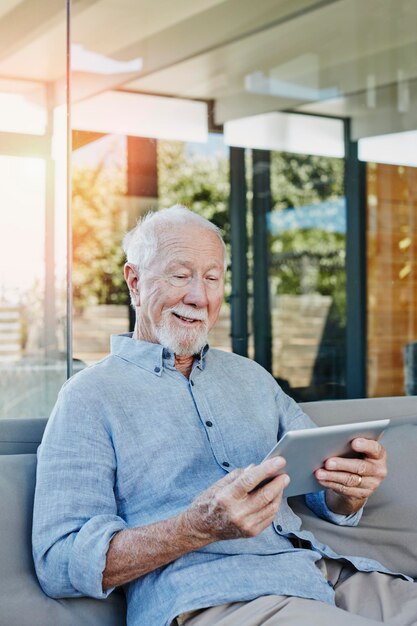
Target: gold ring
(360,481)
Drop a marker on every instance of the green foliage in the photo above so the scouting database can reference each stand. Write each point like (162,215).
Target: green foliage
(98,227)
(303,260)
(299,179)
(199,182)
(308,260)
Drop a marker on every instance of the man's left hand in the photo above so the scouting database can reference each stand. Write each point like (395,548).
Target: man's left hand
(350,482)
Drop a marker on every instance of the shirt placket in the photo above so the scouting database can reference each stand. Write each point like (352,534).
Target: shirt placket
(210,422)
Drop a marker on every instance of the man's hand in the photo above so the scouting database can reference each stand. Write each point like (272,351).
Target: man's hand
(234,507)
(350,482)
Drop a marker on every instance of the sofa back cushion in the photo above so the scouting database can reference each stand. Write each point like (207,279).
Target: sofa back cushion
(387,531)
(22,601)
(327,412)
(21,435)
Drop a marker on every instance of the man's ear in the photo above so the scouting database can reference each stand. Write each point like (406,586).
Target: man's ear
(132,281)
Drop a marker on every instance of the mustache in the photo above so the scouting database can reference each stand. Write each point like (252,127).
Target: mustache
(185,311)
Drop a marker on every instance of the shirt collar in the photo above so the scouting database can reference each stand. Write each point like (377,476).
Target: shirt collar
(150,356)
(201,361)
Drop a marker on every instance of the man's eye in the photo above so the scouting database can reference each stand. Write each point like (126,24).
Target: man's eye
(179,280)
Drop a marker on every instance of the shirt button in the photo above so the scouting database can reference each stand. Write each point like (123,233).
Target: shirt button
(226,464)
(330,584)
(278,527)
(209,424)
(157,369)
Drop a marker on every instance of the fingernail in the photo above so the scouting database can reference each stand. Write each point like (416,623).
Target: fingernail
(286,480)
(359,444)
(331,465)
(278,461)
(320,474)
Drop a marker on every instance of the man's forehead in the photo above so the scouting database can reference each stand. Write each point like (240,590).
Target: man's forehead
(180,261)
(190,243)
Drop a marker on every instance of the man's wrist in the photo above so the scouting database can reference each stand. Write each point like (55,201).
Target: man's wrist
(343,505)
(191,526)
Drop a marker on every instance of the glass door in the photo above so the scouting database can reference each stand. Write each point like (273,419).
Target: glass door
(299,252)
(307,277)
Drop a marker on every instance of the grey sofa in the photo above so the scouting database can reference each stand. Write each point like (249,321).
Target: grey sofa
(387,532)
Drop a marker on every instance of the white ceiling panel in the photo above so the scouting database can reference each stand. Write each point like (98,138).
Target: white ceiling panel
(121,23)
(303,134)
(142,116)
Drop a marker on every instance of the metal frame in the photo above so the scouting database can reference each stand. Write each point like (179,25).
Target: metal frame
(356,269)
(261,206)
(69,333)
(238,241)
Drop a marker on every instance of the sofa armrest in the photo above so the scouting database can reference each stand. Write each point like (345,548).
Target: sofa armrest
(22,600)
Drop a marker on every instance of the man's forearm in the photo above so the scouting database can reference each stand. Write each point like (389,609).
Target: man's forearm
(137,551)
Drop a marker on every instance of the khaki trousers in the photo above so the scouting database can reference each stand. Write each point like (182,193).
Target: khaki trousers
(362,599)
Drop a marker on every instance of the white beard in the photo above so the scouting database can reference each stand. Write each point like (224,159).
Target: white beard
(182,341)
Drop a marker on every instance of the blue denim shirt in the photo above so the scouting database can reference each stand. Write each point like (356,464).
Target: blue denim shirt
(131,441)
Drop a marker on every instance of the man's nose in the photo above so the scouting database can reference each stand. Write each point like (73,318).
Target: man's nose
(196,293)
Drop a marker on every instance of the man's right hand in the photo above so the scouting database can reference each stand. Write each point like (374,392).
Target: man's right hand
(234,507)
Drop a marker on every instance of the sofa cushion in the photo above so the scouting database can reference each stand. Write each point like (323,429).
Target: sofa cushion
(387,531)
(22,601)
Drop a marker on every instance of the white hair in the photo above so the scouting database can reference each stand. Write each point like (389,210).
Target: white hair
(141,243)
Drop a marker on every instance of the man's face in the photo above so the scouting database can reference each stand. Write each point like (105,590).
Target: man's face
(181,293)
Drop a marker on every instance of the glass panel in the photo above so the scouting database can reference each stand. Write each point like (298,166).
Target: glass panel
(137,67)
(33,215)
(307,241)
(132,152)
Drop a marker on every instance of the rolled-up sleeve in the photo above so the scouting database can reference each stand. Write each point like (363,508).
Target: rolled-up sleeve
(317,503)
(75,511)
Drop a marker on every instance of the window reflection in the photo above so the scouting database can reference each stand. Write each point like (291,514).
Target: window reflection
(307,239)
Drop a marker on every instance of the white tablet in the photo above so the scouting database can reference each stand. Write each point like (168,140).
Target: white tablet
(307,450)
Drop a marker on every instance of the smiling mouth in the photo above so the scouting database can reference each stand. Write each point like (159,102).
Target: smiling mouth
(189,320)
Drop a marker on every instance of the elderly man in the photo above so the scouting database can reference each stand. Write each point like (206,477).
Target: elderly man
(148,470)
